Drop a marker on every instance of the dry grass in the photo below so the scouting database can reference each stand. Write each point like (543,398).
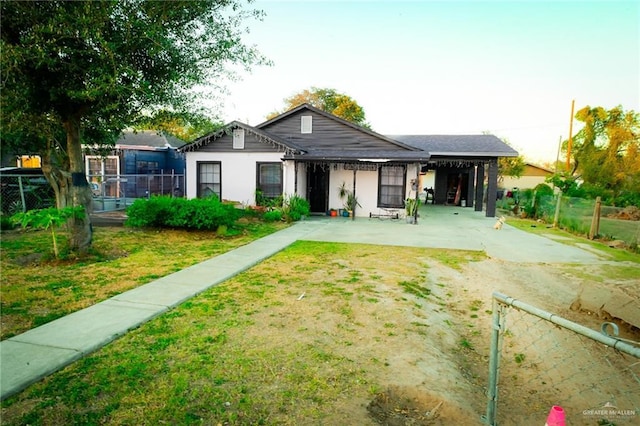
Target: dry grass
(309,336)
(36,289)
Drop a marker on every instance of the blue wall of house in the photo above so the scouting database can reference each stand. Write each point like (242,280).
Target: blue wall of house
(168,161)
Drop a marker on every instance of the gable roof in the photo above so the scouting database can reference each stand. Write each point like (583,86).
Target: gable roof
(147,140)
(459,145)
(337,119)
(402,148)
(227,128)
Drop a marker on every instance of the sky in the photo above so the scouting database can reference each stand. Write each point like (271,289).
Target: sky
(511,68)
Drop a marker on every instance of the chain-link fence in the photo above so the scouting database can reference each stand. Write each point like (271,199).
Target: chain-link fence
(539,360)
(577,215)
(116,192)
(22,192)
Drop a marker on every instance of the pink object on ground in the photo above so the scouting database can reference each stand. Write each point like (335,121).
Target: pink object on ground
(556,417)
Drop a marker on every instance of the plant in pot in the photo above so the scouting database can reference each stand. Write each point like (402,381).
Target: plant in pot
(350,199)
(411,209)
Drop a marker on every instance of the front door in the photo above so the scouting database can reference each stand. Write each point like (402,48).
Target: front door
(318,188)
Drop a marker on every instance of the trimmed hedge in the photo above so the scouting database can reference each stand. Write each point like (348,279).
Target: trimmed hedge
(169,212)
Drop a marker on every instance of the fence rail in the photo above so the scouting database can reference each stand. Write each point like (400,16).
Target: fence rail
(116,192)
(110,192)
(538,360)
(22,192)
(577,215)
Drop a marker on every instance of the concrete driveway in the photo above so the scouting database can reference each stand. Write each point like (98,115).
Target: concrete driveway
(448,227)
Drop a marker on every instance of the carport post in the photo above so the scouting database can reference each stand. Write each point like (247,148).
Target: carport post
(415,213)
(353,213)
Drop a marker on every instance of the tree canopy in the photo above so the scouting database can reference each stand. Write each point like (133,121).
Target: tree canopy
(606,151)
(329,100)
(83,70)
(186,126)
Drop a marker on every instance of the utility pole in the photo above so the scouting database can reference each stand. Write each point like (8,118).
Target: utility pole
(573,102)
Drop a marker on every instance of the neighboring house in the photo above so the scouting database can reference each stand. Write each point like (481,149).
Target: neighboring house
(531,177)
(311,153)
(136,156)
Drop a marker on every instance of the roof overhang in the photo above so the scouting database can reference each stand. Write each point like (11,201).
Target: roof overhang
(362,156)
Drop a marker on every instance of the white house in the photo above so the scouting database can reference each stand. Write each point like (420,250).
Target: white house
(311,153)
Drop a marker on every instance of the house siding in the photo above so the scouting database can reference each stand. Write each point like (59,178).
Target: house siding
(326,134)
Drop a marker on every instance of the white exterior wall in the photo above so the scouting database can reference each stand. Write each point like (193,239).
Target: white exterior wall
(289,182)
(366,190)
(238,180)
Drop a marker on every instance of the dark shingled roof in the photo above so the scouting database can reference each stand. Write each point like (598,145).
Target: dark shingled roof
(334,118)
(148,140)
(459,145)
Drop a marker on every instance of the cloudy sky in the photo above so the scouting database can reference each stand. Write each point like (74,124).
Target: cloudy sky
(425,67)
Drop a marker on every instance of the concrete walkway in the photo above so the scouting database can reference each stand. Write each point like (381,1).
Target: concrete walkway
(28,357)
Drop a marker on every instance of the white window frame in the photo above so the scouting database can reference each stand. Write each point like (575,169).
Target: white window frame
(238,138)
(306,124)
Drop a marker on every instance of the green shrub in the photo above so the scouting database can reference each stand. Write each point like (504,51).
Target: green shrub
(6,223)
(167,212)
(148,213)
(263,201)
(294,208)
(272,216)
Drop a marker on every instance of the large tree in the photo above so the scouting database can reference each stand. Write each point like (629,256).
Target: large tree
(606,151)
(82,70)
(328,100)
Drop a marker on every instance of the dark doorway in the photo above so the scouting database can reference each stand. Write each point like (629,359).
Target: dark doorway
(457,188)
(317,188)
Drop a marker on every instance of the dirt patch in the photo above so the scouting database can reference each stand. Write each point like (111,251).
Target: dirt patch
(628,213)
(402,406)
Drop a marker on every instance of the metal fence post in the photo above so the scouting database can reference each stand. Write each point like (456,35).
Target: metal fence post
(22,197)
(494,363)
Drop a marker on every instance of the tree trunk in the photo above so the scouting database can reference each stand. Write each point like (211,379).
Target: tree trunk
(78,192)
(55,166)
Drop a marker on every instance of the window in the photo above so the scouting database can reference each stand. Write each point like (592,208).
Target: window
(209,180)
(147,167)
(269,179)
(306,124)
(106,172)
(238,139)
(104,167)
(391,186)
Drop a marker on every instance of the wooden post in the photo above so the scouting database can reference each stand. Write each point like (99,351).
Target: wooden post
(595,220)
(556,217)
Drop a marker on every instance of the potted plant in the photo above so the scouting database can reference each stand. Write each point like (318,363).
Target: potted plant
(411,208)
(351,201)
